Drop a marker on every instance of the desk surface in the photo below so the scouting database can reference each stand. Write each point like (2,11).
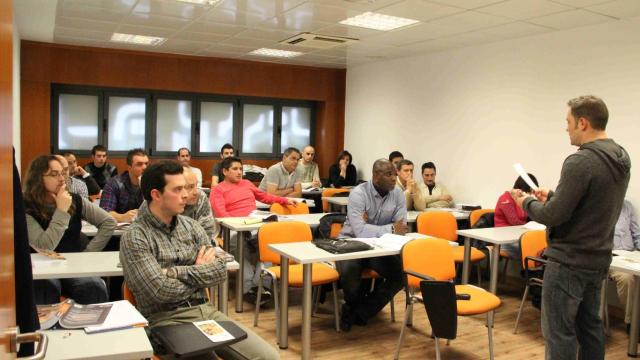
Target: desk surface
(262,206)
(626,261)
(120,344)
(231,222)
(91,230)
(496,235)
(307,253)
(87,264)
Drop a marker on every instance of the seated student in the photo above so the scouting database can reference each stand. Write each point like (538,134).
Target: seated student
(237,197)
(121,196)
(407,184)
(508,213)
(80,173)
(309,174)
(626,237)
(184,157)
(73,185)
(343,172)
(282,179)
(395,157)
(99,168)
(216,172)
(376,207)
(54,220)
(168,262)
(435,194)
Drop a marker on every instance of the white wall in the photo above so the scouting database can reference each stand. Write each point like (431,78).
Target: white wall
(475,111)
(16,93)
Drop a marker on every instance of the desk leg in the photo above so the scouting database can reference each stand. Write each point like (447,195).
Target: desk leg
(223,296)
(240,272)
(306,311)
(226,237)
(283,341)
(467,261)
(633,333)
(495,260)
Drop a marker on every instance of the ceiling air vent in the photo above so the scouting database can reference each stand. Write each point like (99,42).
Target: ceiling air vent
(317,41)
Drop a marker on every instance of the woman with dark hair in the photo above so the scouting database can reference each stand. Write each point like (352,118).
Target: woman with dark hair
(54,220)
(509,214)
(343,173)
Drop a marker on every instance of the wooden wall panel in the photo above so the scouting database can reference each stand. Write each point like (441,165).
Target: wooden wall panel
(43,64)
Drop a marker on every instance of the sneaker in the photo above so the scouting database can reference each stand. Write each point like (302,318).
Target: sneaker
(252,296)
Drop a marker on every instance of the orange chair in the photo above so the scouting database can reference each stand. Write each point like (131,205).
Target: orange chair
(300,208)
(476,214)
(329,192)
(286,232)
(443,225)
(433,259)
(531,244)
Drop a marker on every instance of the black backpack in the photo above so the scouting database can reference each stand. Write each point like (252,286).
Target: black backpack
(324,228)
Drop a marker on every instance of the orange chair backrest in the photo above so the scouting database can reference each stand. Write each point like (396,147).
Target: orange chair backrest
(127,294)
(475,215)
(431,257)
(300,208)
(335,230)
(439,224)
(531,243)
(329,193)
(280,232)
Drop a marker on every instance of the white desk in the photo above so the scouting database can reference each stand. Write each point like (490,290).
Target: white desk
(412,215)
(76,344)
(230,224)
(262,206)
(620,263)
(105,263)
(91,230)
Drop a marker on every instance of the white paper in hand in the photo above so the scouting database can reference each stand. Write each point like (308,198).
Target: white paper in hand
(520,170)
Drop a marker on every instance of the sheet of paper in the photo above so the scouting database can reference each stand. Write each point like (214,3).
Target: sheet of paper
(122,315)
(213,330)
(520,170)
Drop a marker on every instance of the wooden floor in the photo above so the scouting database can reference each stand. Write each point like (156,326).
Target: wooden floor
(378,339)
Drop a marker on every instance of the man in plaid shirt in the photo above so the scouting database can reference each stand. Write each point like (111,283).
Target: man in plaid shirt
(168,262)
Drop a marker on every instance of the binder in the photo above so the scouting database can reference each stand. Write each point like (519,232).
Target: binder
(187,340)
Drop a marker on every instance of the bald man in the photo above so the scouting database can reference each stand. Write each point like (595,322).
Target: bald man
(308,169)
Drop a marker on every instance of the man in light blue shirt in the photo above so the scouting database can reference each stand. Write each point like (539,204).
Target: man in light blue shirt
(626,237)
(375,208)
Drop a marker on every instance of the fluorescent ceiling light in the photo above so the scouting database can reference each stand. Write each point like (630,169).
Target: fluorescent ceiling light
(203,2)
(137,39)
(378,21)
(275,53)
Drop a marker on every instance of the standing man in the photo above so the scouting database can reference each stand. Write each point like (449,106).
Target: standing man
(435,193)
(184,157)
(282,179)
(408,185)
(376,207)
(99,168)
(581,216)
(309,174)
(168,262)
(121,196)
(78,172)
(216,173)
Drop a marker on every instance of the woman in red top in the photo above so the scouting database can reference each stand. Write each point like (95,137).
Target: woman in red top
(509,214)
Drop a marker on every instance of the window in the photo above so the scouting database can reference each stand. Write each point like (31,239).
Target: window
(161,122)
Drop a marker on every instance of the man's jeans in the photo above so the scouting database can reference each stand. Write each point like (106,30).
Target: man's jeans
(570,306)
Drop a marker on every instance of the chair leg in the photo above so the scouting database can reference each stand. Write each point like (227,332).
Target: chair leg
(315,295)
(393,310)
(490,334)
(448,342)
(336,308)
(373,285)
(255,316)
(504,269)
(407,316)
(524,297)
(274,286)
(437,348)
(479,270)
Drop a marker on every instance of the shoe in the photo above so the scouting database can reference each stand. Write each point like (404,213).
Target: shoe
(252,296)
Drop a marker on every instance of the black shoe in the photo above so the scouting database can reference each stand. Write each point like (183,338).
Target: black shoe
(252,296)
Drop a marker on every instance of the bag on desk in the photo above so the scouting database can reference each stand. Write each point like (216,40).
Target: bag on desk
(341,246)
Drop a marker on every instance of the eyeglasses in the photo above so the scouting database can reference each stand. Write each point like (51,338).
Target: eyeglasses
(55,174)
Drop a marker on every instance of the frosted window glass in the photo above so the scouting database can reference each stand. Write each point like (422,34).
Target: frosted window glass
(173,125)
(126,123)
(77,121)
(296,127)
(257,129)
(216,126)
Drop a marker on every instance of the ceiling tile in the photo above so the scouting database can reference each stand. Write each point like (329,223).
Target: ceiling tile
(416,33)
(90,13)
(164,22)
(182,46)
(239,18)
(198,36)
(78,23)
(231,49)
(318,13)
(82,42)
(268,8)
(219,54)
(358,5)
(570,19)
(273,35)
(466,4)
(580,3)
(254,43)
(171,8)
(143,30)
(209,27)
(419,10)
(621,9)
(121,6)
(515,30)
(348,31)
(524,9)
(300,24)
(82,34)
(470,20)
